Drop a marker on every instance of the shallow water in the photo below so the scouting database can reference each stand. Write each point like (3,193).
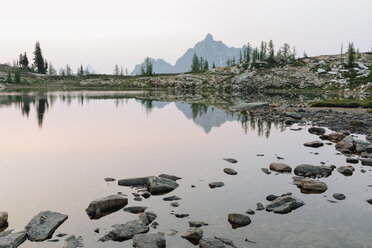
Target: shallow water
(56,149)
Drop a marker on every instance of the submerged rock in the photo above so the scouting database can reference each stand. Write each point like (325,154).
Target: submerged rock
(346,170)
(149,240)
(250,211)
(251,106)
(369,201)
(135,209)
(228,242)
(125,231)
(366,161)
(271,197)
(230,171)
(138,181)
(307,170)
(339,196)
(211,243)
(316,130)
(147,217)
(12,240)
(197,223)
(216,185)
(73,242)
(238,220)
(193,234)
(260,206)
(161,185)
(43,225)
(172,198)
(231,160)
(171,177)
(266,171)
(314,144)
(312,186)
(284,204)
(106,205)
(110,179)
(334,137)
(280,167)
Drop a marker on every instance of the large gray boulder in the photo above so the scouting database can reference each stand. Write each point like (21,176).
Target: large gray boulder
(147,217)
(366,161)
(307,170)
(161,185)
(125,231)
(138,181)
(211,243)
(43,225)
(106,205)
(193,234)
(238,220)
(13,240)
(149,240)
(317,130)
(280,167)
(73,242)
(312,186)
(3,219)
(284,204)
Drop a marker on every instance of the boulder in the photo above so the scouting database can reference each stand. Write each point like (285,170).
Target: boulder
(339,196)
(135,209)
(315,144)
(293,115)
(226,241)
(3,219)
(312,186)
(13,240)
(369,201)
(343,145)
(346,170)
(125,231)
(280,167)
(366,161)
(284,204)
(216,185)
(271,197)
(138,181)
(352,160)
(211,243)
(230,171)
(238,220)
(149,240)
(231,160)
(42,226)
(334,137)
(73,242)
(171,177)
(106,205)
(316,130)
(306,170)
(172,198)
(197,223)
(109,179)
(193,234)
(260,206)
(147,217)
(161,185)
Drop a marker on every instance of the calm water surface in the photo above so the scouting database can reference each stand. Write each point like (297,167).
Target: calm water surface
(56,149)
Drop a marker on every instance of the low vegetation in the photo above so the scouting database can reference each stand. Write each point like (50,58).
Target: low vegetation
(344,103)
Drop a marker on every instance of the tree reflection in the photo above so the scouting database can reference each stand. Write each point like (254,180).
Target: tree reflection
(41,107)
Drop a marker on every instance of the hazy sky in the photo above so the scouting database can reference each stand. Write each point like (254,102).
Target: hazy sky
(103,33)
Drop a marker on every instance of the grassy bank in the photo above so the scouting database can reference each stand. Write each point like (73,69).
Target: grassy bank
(345,103)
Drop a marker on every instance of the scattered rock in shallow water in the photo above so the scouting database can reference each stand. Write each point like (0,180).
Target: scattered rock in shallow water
(216,185)
(60,235)
(369,201)
(106,205)
(293,115)
(171,177)
(181,216)
(339,196)
(161,185)
(316,130)
(250,211)
(271,197)
(172,198)
(125,231)
(3,219)
(346,170)
(280,167)
(230,171)
(135,209)
(53,240)
(231,160)
(312,186)
(297,180)
(238,220)
(260,155)
(315,144)
(12,240)
(110,179)
(43,225)
(266,171)
(284,204)
(175,204)
(211,243)
(149,240)
(251,106)
(260,206)
(228,242)
(366,161)
(137,198)
(154,224)
(146,195)
(352,160)
(96,230)
(197,223)
(334,137)
(147,217)
(345,147)
(193,234)
(307,170)
(138,181)
(73,242)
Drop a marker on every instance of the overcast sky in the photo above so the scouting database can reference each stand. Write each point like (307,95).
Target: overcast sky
(103,33)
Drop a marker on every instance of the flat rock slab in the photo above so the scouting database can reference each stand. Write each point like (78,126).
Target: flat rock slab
(211,243)
(280,167)
(42,226)
(367,161)
(125,231)
(231,160)
(238,220)
(13,240)
(137,181)
(216,185)
(172,198)
(172,177)
(251,106)
(307,170)
(161,185)
(197,223)
(315,144)
(135,209)
(106,205)
(284,204)
(149,240)
(312,186)
(73,242)
(316,130)
(230,171)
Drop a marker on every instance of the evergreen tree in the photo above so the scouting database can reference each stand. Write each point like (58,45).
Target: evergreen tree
(9,77)
(195,65)
(121,71)
(271,51)
(248,53)
(68,71)
(24,62)
(148,65)
(342,53)
(254,56)
(142,70)
(116,70)
(233,62)
(294,53)
(62,72)
(286,50)
(206,66)
(126,72)
(305,54)
(213,65)
(46,67)
(51,70)
(17,76)
(263,50)
(20,60)
(38,59)
(350,55)
(201,63)
(240,58)
(80,71)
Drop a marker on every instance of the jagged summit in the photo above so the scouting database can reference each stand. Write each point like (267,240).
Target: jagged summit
(208,38)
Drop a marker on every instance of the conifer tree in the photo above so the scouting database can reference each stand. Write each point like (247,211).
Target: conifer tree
(121,71)
(248,53)
(201,64)
(350,55)
(213,65)
(148,65)
(38,59)
(24,62)
(271,51)
(285,50)
(51,70)
(68,70)
(263,50)
(195,65)
(9,77)
(240,58)
(80,71)
(206,66)
(116,70)
(17,76)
